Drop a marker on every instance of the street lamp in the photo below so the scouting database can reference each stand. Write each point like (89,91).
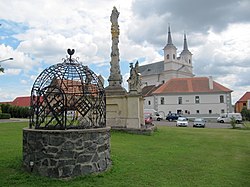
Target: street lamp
(2,69)
(6,59)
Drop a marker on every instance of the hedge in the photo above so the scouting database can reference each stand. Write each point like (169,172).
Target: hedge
(4,116)
(15,111)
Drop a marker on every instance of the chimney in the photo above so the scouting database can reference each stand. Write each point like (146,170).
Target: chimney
(210,82)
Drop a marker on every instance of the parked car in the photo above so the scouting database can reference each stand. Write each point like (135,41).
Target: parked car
(148,119)
(227,117)
(182,122)
(199,122)
(154,114)
(172,116)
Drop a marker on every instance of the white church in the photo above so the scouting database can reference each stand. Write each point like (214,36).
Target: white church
(170,86)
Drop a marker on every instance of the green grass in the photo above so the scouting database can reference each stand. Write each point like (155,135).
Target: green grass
(170,157)
(246,125)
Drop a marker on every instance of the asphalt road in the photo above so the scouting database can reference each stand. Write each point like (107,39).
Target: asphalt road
(190,124)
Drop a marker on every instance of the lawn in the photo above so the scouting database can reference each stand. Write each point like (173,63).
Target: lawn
(170,157)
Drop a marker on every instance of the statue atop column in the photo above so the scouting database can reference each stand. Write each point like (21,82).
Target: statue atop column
(115,78)
(134,81)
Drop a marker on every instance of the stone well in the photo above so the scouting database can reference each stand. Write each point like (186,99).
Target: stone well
(67,134)
(66,153)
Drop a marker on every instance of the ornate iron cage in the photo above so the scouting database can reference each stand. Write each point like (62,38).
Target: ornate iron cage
(68,95)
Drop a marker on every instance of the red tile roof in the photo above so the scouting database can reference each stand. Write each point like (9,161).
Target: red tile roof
(245,97)
(148,90)
(21,101)
(190,85)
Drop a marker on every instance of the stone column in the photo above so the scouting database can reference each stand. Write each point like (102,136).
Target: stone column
(115,78)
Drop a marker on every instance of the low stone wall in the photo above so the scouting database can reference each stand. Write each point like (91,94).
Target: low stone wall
(66,153)
(144,130)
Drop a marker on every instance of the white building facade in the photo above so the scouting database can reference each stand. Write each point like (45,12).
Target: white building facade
(190,96)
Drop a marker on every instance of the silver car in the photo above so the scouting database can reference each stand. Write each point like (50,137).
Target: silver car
(182,122)
(199,122)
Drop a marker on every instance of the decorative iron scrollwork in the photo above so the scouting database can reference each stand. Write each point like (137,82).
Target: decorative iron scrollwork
(68,95)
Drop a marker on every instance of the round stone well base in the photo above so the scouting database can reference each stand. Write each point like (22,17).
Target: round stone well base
(66,153)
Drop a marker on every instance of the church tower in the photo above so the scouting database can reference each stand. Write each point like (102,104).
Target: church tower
(186,56)
(170,57)
(169,50)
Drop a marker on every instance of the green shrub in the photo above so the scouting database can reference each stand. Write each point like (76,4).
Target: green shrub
(16,111)
(5,116)
(245,114)
(246,125)
(233,122)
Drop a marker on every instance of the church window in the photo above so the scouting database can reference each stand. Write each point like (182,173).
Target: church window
(179,100)
(221,99)
(162,100)
(173,56)
(167,56)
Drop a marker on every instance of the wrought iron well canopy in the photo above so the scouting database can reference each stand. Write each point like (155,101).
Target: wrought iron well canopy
(68,95)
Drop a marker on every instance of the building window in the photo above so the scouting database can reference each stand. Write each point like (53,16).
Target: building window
(197,99)
(189,61)
(167,56)
(210,112)
(244,104)
(179,100)
(221,99)
(222,111)
(197,111)
(173,56)
(162,100)
(163,81)
(149,102)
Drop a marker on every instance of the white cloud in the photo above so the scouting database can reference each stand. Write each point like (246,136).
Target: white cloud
(20,59)
(12,71)
(54,26)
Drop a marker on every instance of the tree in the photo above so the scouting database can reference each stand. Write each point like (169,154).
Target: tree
(245,113)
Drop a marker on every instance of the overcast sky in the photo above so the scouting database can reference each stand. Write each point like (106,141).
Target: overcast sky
(37,33)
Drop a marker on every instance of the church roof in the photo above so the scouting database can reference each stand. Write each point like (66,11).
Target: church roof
(151,69)
(190,85)
(185,47)
(170,42)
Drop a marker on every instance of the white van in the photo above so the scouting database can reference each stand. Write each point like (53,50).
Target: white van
(226,117)
(153,113)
